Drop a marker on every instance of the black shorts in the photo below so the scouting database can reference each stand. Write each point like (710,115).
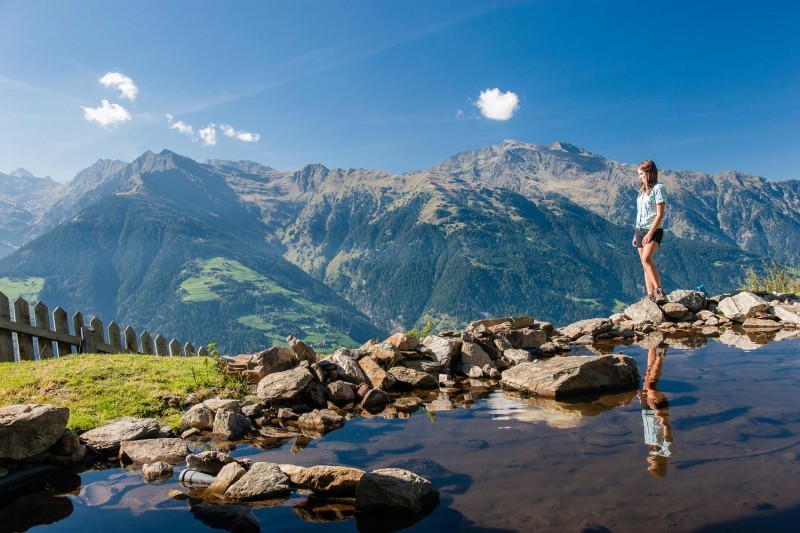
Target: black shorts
(640,233)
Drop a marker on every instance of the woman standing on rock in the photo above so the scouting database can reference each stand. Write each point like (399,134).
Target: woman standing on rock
(650,206)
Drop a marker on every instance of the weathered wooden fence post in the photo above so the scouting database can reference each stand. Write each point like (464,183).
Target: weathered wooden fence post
(161,345)
(22,316)
(130,340)
(114,337)
(98,334)
(61,326)
(175,348)
(77,327)
(6,342)
(42,314)
(188,349)
(202,352)
(147,343)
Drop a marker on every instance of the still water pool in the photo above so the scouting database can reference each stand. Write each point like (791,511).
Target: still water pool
(710,443)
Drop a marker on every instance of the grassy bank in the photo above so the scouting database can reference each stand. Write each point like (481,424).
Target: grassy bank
(98,388)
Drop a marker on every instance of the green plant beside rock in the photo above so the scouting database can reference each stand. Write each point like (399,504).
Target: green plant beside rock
(775,278)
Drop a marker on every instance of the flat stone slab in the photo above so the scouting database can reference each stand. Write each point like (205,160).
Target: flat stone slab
(107,438)
(394,491)
(29,429)
(172,451)
(573,375)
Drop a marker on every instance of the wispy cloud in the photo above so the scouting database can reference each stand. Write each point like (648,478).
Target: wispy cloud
(121,82)
(107,114)
(208,135)
(181,126)
(497,105)
(240,135)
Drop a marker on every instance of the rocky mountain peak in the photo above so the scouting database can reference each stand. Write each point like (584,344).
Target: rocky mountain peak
(310,176)
(251,167)
(21,173)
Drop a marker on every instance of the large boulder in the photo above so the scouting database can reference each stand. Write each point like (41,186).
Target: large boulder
(283,385)
(573,375)
(472,354)
(107,438)
(227,476)
(693,300)
(275,359)
(590,326)
(526,338)
(394,491)
(230,425)
(347,368)
(403,341)
(263,481)
(742,306)
(341,392)
(787,313)
(302,350)
(645,310)
(171,451)
(377,376)
(409,378)
(29,429)
(516,356)
(199,416)
(338,481)
(444,349)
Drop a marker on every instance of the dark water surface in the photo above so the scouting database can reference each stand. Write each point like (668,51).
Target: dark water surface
(724,455)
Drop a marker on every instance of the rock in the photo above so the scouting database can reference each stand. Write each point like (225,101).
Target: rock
(341,392)
(208,462)
(283,385)
(591,326)
(408,378)
(215,404)
(315,394)
(231,425)
(375,400)
(338,481)
(303,351)
(403,341)
(444,349)
(67,444)
(674,310)
(407,403)
(760,323)
(190,433)
(645,310)
(492,372)
(377,377)
(787,313)
(488,323)
(472,371)
(275,359)
(394,491)
(319,422)
(263,481)
(519,322)
(253,410)
(172,451)
(177,494)
(742,306)
(385,353)
(527,338)
(158,471)
(107,438)
(694,301)
(199,417)
(472,354)
(565,376)
(227,476)
(347,368)
(30,429)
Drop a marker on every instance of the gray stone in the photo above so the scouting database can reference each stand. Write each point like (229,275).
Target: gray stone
(347,368)
(208,462)
(403,341)
(409,378)
(385,353)
(519,322)
(30,429)
(283,385)
(488,323)
(376,376)
(158,471)
(215,404)
(341,392)
(527,338)
(303,351)
(375,400)
(590,326)
(565,376)
(645,310)
(394,491)
(338,481)
(275,359)
(319,422)
(473,354)
(171,451)
(227,476)
(231,425)
(472,371)
(787,313)
(693,300)
(107,438)
(742,306)
(262,482)
(444,349)
(674,310)
(199,417)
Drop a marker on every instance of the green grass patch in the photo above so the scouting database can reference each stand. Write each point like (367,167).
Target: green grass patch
(206,276)
(618,307)
(99,388)
(591,302)
(27,288)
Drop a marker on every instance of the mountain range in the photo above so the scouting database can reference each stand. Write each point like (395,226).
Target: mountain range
(243,255)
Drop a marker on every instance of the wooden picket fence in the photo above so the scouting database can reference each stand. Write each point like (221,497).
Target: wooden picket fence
(84,339)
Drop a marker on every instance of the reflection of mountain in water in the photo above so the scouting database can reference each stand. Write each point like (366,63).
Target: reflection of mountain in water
(510,405)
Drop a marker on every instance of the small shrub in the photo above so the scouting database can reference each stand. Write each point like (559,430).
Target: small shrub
(424,332)
(774,278)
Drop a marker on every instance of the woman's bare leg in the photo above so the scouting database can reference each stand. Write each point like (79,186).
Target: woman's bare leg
(651,277)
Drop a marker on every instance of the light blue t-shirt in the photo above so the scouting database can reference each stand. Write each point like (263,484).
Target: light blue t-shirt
(646,206)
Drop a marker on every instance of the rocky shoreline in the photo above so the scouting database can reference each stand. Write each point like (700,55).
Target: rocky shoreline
(298,396)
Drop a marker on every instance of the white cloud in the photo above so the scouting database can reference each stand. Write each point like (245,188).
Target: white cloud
(181,126)
(459,113)
(244,136)
(123,83)
(497,105)
(107,114)
(208,135)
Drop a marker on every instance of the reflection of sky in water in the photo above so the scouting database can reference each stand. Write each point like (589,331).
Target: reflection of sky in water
(554,466)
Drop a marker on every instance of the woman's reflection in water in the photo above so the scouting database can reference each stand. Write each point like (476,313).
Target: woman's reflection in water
(655,415)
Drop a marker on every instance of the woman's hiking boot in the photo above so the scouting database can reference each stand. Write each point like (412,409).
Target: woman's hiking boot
(659,297)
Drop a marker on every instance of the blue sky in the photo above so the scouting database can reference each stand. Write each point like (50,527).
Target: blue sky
(707,86)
